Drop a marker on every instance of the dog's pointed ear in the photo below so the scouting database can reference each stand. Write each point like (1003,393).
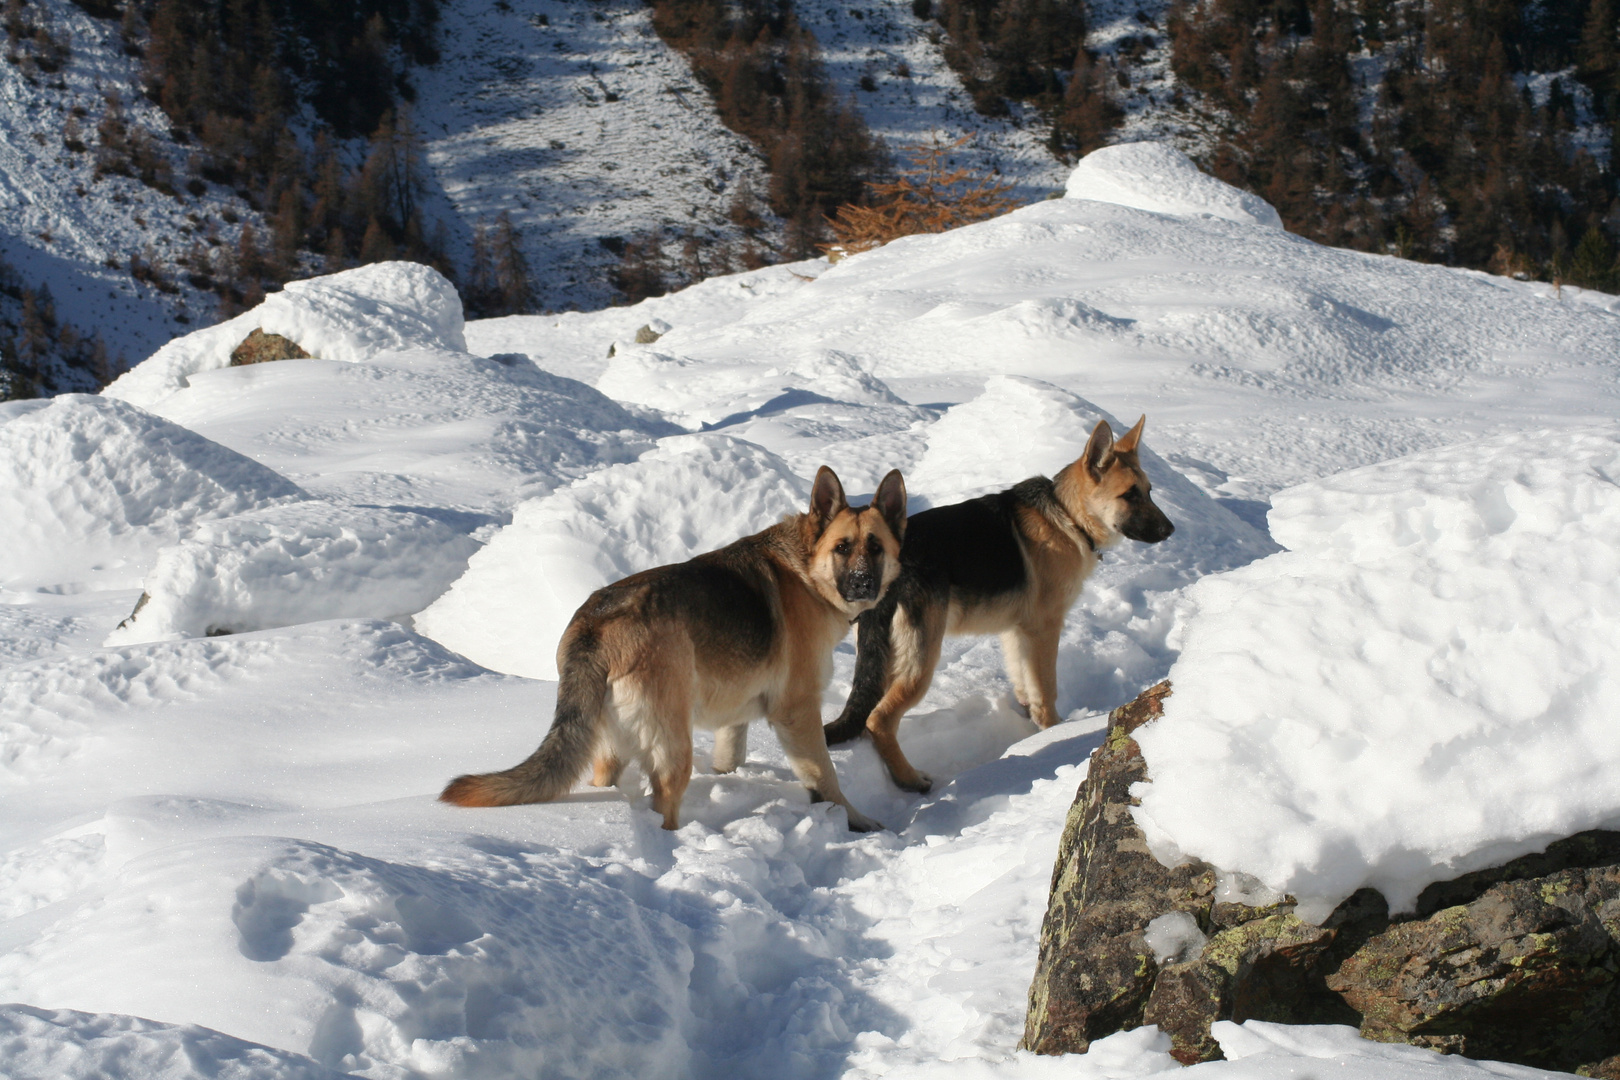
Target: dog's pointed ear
(1099,452)
(1128,442)
(890,501)
(826,497)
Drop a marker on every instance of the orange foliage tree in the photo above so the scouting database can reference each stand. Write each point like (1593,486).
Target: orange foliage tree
(926,197)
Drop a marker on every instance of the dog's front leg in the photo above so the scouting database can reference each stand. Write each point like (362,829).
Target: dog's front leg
(1039,647)
(798,727)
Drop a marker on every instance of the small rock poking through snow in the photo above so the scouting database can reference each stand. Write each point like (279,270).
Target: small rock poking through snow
(1424,685)
(1156,176)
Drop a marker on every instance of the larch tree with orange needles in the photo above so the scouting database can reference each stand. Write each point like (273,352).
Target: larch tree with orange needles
(926,197)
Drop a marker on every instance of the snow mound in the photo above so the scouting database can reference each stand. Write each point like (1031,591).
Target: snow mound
(1156,176)
(691,494)
(304,562)
(1425,685)
(350,316)
(90,488)
(704,394)
(502,966)
(44,1044)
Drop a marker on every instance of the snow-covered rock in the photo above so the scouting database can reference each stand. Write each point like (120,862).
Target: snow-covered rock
(692,494)
(302,562)
(61,1044)
(350,316)
(1156,176)
(91,487)
(1423,685)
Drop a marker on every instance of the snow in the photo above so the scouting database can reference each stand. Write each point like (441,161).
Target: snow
(351,316)
(1424,684)
(65,1045)
(1174,938)
(91,487)
(1155,176)
(303,562)
(222,855)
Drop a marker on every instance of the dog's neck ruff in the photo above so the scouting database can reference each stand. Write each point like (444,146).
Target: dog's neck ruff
(1072,528)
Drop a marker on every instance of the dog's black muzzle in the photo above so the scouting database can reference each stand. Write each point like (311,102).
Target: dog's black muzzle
(859,585)
(1148,528)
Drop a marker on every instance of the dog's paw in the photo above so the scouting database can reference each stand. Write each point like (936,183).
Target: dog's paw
(921,784)
(859,822)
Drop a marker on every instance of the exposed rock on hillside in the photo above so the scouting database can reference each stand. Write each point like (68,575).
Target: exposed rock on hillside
(1516,963)
(259,347)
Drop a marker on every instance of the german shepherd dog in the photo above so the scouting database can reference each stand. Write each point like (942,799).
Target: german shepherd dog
(1010,563)
(738,633)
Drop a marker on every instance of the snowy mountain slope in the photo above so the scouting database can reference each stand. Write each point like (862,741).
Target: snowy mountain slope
(916,96)
(583,126)
(65,228)
(578,122)
(235,838)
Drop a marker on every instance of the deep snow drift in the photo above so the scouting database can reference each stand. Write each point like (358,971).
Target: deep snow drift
(221,855)
(1423,685)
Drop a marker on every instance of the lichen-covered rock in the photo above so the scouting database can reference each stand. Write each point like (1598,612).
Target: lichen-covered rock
(259,347)
(1525,973)
(1096,971)
(1518,963)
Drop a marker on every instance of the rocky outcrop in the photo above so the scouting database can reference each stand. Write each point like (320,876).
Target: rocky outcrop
(259,347)
(1520,963)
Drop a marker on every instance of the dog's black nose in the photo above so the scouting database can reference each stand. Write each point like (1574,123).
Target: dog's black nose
(860,585)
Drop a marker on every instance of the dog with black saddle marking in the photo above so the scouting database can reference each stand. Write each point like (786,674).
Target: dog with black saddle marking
(1011,563)
(717,641)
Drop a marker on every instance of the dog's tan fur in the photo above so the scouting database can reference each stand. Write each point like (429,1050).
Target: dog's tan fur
(738,633)
(1010,564)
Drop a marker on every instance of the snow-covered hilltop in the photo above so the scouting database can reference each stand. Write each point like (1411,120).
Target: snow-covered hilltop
(576,121)
(341,579)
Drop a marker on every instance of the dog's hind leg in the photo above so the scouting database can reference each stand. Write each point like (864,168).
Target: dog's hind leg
(730,748)
(914,652)
(663,726)
(606,769)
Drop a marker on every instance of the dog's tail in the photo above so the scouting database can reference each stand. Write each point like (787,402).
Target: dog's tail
(551,770)
(872,649)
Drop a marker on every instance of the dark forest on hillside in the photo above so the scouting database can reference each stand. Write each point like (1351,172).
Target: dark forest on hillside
(1433,147)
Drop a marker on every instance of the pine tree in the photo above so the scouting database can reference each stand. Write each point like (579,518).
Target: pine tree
(1598,56)
(1592,266)
(375,246)
(514,285)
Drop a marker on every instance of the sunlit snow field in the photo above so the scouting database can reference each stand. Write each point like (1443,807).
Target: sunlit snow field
(220,849)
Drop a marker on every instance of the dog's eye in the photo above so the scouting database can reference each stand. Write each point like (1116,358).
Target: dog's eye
(1133,495)
(843,547)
